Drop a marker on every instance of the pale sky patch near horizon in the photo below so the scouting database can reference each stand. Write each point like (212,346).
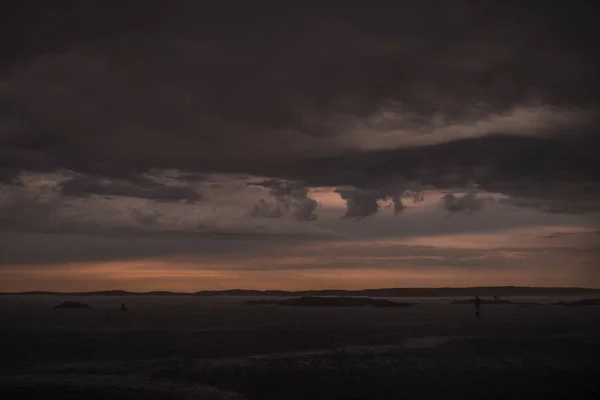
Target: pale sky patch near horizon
(552,255)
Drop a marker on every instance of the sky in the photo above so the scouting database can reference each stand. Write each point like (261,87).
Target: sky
(182,145)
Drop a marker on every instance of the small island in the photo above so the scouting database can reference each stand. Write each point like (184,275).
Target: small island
(72,305)
(318,301)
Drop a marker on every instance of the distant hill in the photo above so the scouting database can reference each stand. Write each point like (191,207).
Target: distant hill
(98,293)
(417,292)
(487,291)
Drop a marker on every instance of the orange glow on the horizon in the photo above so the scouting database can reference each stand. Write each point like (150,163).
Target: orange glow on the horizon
(521,257)
(144,275)
(512,238)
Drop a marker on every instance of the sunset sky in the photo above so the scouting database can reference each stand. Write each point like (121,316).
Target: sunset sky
(153,145)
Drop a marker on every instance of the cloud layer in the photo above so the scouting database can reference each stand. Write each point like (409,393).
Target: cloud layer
(179,121)
(165,87)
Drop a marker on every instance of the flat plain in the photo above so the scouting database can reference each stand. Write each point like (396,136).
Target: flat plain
(186,347)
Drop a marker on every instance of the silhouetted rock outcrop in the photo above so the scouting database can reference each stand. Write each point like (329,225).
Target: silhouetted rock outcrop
(331,302)
(72,305)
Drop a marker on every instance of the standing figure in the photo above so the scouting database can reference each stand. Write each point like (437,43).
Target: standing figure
(477,306)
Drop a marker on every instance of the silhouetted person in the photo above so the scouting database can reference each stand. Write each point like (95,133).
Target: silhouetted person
(123,308)
(477,306)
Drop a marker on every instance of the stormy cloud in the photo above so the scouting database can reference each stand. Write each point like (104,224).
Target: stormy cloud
(171,120)
(153,86)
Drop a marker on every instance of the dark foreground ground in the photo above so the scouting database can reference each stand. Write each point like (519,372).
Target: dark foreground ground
(217,348)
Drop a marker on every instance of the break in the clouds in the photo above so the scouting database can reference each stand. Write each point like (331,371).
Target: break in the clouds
(179,120)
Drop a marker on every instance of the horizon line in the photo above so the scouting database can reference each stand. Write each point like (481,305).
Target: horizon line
(574,288)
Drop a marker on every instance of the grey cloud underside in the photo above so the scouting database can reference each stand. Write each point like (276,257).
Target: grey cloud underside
(142,233)
(467,203)
(551,174)
(563,234)
(58,249)
(286,195)
(361,203)
(561,173)
(86,186)
(117,93)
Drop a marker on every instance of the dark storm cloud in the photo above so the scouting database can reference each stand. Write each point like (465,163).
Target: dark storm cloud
(361,203)
(467,203)
(287,195)
(117,91)
(263,209)
(86,186)
(553,173)
(305,208)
